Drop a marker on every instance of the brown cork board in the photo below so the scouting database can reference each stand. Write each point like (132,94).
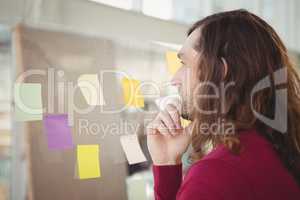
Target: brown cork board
(52,173)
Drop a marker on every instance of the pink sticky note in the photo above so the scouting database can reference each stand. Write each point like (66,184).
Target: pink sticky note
(58,132)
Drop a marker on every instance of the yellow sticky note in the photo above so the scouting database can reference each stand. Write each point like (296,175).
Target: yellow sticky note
(184,122)
(88,161)
(173,62)
(132,93)
(28,102)
(91,89)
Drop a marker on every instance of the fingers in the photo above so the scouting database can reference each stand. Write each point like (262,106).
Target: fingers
(167,122)
(163,129)
(159,126)
(175,116)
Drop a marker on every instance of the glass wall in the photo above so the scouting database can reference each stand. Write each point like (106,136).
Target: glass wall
(5,124)
(144,60)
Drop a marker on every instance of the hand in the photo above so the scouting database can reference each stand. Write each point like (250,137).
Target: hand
(166,139)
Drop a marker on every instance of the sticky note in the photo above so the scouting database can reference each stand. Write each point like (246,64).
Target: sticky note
(58,132)
(132,93)
(91,89)
(173,62)
(132,149)
(88,161)
(28,102)
(184,122)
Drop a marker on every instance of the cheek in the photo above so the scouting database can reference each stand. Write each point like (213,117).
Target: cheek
(194,81)
(187,82)
(190,77)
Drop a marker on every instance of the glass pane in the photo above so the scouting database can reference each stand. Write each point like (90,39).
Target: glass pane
(125,4)
(154,8)
(5,123)
(191,10)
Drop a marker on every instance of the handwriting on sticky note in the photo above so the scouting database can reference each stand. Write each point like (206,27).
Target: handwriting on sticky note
(132,93)
(58,132)
(88,161)
(91,89)
(28,101)
(132,149)
(173,62)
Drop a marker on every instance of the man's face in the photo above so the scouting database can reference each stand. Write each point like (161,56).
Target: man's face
(183,77)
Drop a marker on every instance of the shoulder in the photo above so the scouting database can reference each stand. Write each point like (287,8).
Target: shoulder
(213,170)
(223,166)
(226,174)
(215,179)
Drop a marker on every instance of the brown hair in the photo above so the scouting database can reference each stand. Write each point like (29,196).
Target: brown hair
(252,51)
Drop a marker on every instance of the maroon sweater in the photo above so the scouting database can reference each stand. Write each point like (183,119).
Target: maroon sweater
(255,174)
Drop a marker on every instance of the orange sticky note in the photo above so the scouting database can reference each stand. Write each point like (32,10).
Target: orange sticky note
(173,62)
(132,93)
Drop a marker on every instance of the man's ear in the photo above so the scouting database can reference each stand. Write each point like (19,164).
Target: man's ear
(225,66)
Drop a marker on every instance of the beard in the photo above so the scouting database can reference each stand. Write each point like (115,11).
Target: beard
(185,107)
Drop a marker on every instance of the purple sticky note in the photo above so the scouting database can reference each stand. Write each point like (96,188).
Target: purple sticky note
(58,132)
